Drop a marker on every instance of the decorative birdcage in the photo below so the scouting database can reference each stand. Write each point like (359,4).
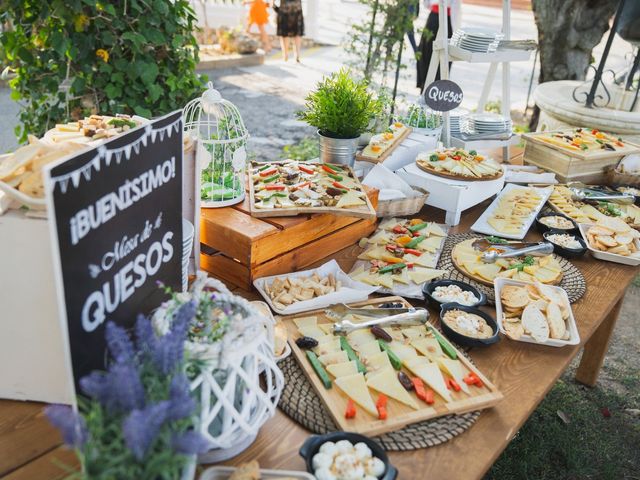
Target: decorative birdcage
(221,153)
(423,120)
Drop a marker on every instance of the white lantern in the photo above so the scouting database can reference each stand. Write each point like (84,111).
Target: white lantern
(221,153)
(423,120)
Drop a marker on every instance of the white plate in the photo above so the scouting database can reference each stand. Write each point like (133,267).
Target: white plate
(223,473)
(609,257)
(482,226)
(351,291)
(574,338)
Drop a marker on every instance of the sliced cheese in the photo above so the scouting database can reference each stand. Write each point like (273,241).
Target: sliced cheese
(429,347)
(326,327)
(305,321)
(343,369)
(350,199)
(386,381)
(333,357)
(414,332)
(327,347)
(422,275)
(385,279)
(402,351)
(456,370)
(358,337)
(488,271)
(424,260)
(311,331)
(355,387)
(369,348)
(376,362)
(430,374)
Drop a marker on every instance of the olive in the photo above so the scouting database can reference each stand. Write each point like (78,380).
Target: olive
(391,305)
(378,332)
(405,381)
(306,342)
(334,191)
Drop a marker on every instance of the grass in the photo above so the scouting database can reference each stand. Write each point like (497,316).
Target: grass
(590,446)
(307,148)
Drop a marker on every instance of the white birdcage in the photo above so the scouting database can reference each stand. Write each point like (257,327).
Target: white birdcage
(221,153)
(423,120)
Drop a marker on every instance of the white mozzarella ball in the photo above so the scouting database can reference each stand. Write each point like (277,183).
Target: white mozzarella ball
(375,467)
(344,446)
(348,467)
(328,448)
(363,452)
(322,460)
(324,474)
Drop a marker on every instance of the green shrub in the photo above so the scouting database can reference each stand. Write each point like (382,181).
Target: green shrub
(130,56)
(306,149)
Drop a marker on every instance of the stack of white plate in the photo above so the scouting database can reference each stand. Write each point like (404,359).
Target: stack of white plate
(187,245)
(477,39)
(456,120)
(487,123)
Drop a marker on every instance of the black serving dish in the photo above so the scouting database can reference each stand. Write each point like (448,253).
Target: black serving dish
(312,444)
(542,228)
(428,289)
(637,197)
(463,339)
(563,251)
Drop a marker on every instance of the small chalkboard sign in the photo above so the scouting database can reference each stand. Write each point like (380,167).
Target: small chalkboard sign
(116,220)
(443,95)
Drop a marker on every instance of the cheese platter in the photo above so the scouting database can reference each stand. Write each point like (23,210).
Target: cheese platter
(513,211)
(371,372)
(382,145)
(289,188)
(459,164)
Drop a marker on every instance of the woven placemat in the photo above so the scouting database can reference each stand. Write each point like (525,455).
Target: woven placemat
(300,401)
(572,279)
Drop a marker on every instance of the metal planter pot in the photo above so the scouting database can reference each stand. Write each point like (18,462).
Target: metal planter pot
(338,150)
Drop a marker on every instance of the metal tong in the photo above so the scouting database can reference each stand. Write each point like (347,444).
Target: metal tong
(413,317)
(536,250)
(583,194)
(339,310)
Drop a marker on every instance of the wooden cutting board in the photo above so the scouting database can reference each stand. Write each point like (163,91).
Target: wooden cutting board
(397,141)
(399,415)
(422,165)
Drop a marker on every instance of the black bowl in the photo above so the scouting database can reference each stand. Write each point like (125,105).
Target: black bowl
(428,288)
(542,228)
(312,444)
(463,339)
(563,251)
(637,197)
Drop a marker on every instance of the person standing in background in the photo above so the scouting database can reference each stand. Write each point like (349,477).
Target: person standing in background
(258,15)
(414,11)
(429,35)
(290,25)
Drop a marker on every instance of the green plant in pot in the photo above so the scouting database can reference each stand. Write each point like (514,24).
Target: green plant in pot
(341,108)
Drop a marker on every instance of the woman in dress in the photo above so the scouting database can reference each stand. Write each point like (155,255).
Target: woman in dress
(290,25)
(259,16)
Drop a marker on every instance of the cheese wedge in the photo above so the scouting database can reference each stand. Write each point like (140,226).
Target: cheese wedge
(422,275)
(435,229)
(333,357)
(376,362)
(327,347)
(424,260)
(355,387)
(305,321)
(375,253)
(402,351)
(429,347)
(359,337)
(343,369)
(311,331)
(456,370)
(430,374)
(327,328)
(386,381)
(488,271)
(369,348)
(385,279)
(402,277)
(326,338)
(414,332)
(350,199)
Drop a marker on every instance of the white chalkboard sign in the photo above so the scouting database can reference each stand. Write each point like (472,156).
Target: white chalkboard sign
(443,95)
(115,213)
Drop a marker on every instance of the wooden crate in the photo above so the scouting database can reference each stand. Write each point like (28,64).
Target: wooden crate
(239,248)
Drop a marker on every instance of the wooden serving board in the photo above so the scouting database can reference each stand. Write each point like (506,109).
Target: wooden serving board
(481,280)
(399,415)
(583,155)
(453,176)
(396,142)
(363,211)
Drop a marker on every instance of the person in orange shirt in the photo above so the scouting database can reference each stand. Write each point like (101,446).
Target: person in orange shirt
(258,15)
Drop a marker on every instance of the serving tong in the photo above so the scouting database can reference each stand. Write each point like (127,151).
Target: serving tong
(484,244)
(339,310)
(412,317)
(583,194)
(535,250)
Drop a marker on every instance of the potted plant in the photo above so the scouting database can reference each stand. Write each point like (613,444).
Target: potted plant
(136,419)
(341,108)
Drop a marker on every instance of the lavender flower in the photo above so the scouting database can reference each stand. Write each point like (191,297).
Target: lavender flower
(96,386)
(119,343)
(145,337)
(70,423)
(126,391)
(190,443)
(181,405)
(168,350)
(141,427)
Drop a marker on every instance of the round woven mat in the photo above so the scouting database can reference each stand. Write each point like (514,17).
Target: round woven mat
(572,279)
(301,402)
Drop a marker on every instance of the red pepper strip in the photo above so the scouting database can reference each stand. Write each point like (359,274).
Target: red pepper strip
(381,405)
(619,143)
(473,379)
(328,169)
(456,157)
(594,131)
(306,170)
(399,229)
(338,185)
(419,387)
(268,171)
(274,187)
(391,248)
(416,234)
(454,385)
(298,186)
(410,265)
(413,251)
(350,412)
(430,397)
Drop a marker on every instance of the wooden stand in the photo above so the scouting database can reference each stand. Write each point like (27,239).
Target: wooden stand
(239,248)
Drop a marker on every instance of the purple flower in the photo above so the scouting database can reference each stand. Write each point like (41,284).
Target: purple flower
(168,350)
(96,386)
(70,423)
(141,427)
(181,405)
(190,443)
(126,391)
(119,343)
(145,337)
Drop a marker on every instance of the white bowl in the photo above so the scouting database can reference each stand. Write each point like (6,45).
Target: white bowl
(609,257)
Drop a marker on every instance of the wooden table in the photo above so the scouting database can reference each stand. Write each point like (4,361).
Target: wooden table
(524,373)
